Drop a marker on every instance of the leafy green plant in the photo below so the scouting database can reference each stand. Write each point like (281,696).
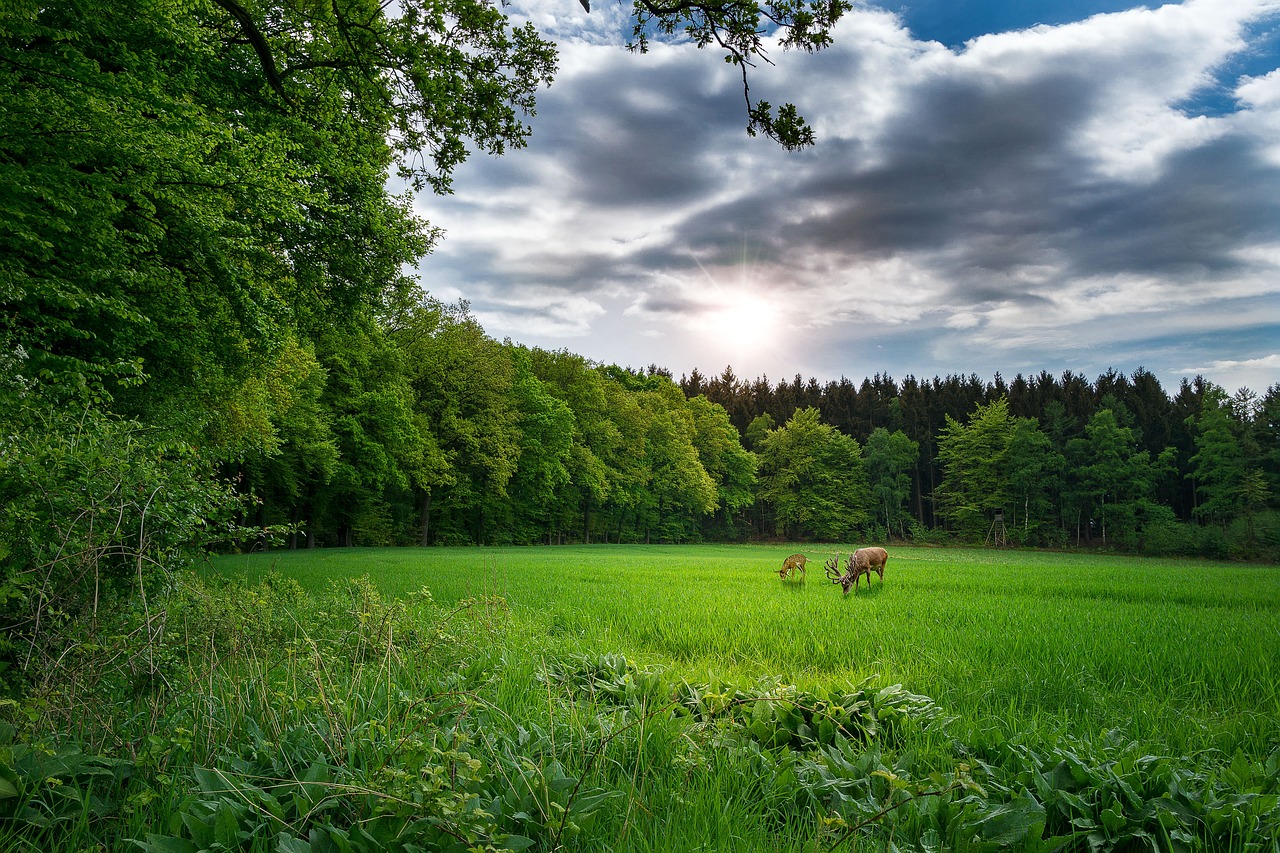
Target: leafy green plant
(48,791)
(1115,794)
(97,514)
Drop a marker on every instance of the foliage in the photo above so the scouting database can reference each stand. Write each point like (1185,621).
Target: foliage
(814,477)
(1112,795)
(890,457)
(973,457)
(96,515)
(739,30)
(346,719)
(1117,478)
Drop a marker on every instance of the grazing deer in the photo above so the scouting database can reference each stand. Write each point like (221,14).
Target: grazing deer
(789,566)
(874,560)
(864,561)
(846,580)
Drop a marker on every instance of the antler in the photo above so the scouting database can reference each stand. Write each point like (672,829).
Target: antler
(833,568)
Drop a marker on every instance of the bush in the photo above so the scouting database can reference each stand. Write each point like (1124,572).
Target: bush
(96,513)
(1171,539)
(1255,536)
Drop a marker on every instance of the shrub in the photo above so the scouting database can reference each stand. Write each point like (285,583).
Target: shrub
(96,513)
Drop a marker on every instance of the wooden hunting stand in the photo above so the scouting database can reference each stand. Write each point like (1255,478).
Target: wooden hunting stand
(997,535)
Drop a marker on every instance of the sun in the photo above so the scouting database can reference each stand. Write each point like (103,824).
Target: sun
(735,312)
(744,318)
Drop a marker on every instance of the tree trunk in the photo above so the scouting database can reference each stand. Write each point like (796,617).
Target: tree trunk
(310,523)
(425,519)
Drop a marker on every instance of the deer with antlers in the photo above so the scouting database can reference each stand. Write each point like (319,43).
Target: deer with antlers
(864,561)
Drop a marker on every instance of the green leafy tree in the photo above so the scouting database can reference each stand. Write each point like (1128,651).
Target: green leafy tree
(758,429)
(680,490)
(814,479)
(594,435)
(1219,466)
(182,182)
(973,456)
(890,460)
(380,445)
(1115,477)
(545,424)
(300,453)
(720,450)
(461,383)
(1034,469)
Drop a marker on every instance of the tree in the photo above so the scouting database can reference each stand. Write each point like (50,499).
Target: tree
(1034,469)
(679,487)
(973,457)
(1116,478)
(381,448)
(890,459)
(720,450)
(594,435)
(301,453)
(183,182)
(461,383)
(546,446)
(1219,466)
(757,430)
(814,478)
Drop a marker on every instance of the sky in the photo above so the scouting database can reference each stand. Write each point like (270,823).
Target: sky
(998,186)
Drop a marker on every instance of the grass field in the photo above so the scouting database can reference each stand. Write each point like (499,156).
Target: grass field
(1181,655)
(632,699)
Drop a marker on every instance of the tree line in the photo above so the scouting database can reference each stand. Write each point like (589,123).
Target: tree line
(416,427)
(420,429)
(1117,461)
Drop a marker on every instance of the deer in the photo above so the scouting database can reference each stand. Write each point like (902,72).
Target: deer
(789,566)
(848,578)
(864,561)
(873,558)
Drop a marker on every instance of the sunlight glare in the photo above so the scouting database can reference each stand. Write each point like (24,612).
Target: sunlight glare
(742,317)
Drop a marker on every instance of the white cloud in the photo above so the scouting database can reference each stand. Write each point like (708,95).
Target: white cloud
(1256,374)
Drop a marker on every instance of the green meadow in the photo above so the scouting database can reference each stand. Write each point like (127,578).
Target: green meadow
(655,698)
(1180,654)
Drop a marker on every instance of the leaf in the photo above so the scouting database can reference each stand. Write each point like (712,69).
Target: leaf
(1112,819)
(1013,822)
(7,789)
(166,844)
(226,828)
(286,843)
(517,842)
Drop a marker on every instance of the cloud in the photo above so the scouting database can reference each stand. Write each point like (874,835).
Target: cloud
(1032,194)
(1256,374)
(1269,362)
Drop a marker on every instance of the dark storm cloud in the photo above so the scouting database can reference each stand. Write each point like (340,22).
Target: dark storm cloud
(1192,221)
(638,135)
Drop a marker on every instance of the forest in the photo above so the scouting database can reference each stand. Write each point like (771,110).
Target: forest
(423,430)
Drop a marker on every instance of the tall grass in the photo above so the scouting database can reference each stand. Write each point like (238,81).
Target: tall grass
(1180,654)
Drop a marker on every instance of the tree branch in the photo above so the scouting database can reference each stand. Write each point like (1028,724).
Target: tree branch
(260,46)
